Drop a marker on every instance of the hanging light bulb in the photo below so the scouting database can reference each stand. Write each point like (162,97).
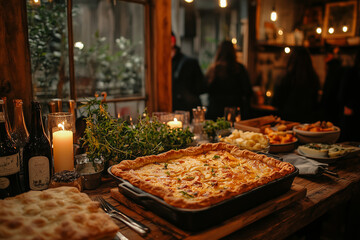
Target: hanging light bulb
(223,3)
(273,15)
(234,40)
(345,29)
(287,50)
(35,2)
(189,1)
(318,30)
(331,30)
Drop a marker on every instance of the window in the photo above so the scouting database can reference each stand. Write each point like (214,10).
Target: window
(109,52)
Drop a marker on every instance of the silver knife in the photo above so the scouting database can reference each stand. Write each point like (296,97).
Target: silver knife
(119,236)
(128,219)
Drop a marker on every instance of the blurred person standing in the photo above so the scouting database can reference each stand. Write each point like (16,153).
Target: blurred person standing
(187,79)
(228,83)
(330,104)
(350,97)
(296,96)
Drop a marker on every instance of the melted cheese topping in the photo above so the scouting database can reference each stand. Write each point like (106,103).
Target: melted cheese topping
(203,175)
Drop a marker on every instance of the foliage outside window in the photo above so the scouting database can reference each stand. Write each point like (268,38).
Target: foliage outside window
(109,49)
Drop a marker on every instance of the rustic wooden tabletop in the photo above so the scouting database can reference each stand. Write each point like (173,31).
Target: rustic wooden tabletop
(276,219)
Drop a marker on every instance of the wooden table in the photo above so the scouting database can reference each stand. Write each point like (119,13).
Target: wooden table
(325,194)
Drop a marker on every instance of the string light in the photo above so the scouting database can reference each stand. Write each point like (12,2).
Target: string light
(280,32)
(223,3)
(233,40)
(331,30)
(318,30)
(345,29)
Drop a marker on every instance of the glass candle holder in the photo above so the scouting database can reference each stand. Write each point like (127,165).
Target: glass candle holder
(61,132)
(174,120)
(186,117)
(160,116)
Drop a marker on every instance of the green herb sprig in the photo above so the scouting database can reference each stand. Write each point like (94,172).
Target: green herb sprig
(116,140)
(210,127)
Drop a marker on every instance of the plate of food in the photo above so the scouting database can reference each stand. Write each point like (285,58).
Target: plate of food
(321,151)
(190,186)
(247,140)
(280,140)
(319,132)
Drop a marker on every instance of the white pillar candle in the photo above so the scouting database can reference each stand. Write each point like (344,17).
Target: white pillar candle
(175,124)
(63,150)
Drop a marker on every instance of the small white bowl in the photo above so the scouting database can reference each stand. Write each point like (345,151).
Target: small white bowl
(329,137)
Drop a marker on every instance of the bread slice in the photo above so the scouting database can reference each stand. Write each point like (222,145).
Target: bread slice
(55,213)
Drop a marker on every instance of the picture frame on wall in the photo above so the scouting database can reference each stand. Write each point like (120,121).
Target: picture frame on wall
(340,20)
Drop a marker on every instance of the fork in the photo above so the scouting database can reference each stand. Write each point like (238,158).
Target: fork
(132,223)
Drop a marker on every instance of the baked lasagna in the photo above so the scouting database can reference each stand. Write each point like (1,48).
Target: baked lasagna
(198,177)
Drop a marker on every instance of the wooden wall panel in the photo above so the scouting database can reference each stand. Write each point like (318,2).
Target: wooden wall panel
(15,70)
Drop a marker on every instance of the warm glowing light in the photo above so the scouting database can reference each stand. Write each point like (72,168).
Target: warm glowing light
(61,125)
(223,3)
(280,32)
(318,30)
(35,2)
(268,93)
(233,40)
(175,124)
(273,16)
(331,30)
(345,28)
(287,50)
(79,45)
(189,1)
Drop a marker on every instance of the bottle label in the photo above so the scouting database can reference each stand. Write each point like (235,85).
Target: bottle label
(4,182)
(9,165)
(39,173)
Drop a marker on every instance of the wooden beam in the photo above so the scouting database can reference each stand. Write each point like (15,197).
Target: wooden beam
(252,11)
(160,46)
(15,68)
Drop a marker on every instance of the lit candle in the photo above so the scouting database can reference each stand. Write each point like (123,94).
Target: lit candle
(175,124)
(63,150)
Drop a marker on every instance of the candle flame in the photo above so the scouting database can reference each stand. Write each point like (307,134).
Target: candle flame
(61,126)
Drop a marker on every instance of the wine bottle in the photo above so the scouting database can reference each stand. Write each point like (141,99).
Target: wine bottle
(7,116)
(37,153)
(9,159)
(19,134)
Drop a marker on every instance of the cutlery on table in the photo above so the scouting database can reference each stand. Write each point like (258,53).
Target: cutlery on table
(115,213)
(119,236)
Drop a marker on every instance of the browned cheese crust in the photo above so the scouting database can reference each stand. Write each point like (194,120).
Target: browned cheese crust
(56,213)
(198,177)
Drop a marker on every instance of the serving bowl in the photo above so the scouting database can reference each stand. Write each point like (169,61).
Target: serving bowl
(282,148)
(328,137)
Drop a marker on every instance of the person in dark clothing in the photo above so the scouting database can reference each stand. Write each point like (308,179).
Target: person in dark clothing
(350,97)
(187,80)
(296,96)
(228,83)
(330,101)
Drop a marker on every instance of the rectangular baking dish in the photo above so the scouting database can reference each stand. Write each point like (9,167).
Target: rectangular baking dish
(199,219)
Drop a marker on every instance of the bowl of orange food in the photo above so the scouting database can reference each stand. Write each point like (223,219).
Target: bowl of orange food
(319,132)
(280,140)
